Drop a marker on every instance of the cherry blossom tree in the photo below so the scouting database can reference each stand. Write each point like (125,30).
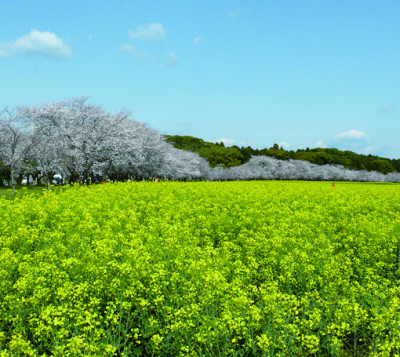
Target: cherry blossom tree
(16,142)
(78,134)
(267,168)
(78,139)
(180,164)
(48,156)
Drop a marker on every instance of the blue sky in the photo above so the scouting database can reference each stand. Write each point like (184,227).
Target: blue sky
(297,73)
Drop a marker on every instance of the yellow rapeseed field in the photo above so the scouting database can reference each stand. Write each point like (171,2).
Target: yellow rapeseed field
(268,268)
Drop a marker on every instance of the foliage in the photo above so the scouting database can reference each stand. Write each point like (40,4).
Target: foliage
(266,268)
(215,153)
(21,190)
(83,142)
(268,168)
(16,142)
(319,156)
(221,156)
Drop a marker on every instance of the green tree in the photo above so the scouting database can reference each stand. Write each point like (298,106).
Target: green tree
(221,156)
(320,156)
(382,165)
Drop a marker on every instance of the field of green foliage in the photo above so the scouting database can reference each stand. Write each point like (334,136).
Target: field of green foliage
(266,268)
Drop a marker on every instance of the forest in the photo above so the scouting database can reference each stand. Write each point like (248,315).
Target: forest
(83,142)
(219,155)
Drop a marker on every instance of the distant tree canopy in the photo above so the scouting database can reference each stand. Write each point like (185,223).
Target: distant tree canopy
(80,141)
(219,155)
(215,153)
(84,142)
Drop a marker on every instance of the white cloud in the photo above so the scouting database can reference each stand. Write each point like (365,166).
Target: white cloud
(143,56)
(284,144)
(385,108)
(91,36)
(369,150)
(320,144)
(128,48)
(150,32)
(238,11)
(172,59)
(45,44)
(4,52)
(137,55)
(197,39)
(226,141)
(351,135)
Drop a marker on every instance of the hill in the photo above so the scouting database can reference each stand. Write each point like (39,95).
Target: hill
(219,155)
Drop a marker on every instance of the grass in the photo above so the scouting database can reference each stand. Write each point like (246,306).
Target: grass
(6,191)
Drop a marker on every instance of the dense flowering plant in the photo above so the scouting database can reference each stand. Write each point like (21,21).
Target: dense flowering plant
(268,268)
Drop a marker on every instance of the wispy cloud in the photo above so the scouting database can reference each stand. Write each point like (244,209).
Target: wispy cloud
(226,141)
(353,140)
(359,142)
(91,36)
(197,39)
(128,48)
(284,144)
(143,56)
(172,59)
(369,150)
(45,44)
(385,108)
(137,55)
(351,135)
(149,32)
(237,11)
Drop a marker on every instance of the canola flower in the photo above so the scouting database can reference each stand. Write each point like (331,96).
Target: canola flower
(267,268)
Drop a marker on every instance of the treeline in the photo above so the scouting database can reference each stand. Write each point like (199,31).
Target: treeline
(83,142)
(219,155)
(80,141)
(269,168)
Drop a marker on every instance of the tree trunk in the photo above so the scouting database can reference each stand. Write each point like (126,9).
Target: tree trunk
(49,178)
(12,179)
